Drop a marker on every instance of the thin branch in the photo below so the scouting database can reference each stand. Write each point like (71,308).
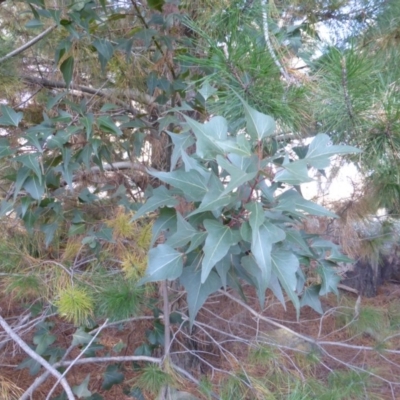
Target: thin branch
(28,44)
(116,166)
(346,95)
(42,378)
(268,41)
(268,320)
(120,165)
(77,358)
(51,369)
(90,360)
(167,312)
(132,94)
(191,378)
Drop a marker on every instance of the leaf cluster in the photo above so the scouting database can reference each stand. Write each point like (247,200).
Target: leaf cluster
(240,224)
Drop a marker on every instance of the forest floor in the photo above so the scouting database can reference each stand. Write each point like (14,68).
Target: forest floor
(239,323)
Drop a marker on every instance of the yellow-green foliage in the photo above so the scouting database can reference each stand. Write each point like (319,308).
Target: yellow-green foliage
(122,227)
(152,379)
(132,243)
(75,304)
(370,320)
(9,390)
(144,238)
(71,249)
(24,287)
(134,264)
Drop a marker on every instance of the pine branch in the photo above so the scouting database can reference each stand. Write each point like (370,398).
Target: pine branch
(346,94)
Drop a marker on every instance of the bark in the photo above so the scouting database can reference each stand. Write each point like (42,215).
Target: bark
(367,276)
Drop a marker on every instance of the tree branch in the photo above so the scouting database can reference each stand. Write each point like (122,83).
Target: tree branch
(31,353)
(109,359)
(132,94)
(268,41)
(28,44)
(76,359)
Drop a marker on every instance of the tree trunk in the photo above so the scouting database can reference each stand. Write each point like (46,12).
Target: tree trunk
(367,276)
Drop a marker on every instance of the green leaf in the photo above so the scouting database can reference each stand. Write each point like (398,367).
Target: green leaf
(257,216)
(6,207)
(67,70)
(233,146)
(164,224)
(80,337)
(5,149)
(34,139)
(217,128)
(49,230)
(293,173)
(161,197)
(337,257)
(164,263)
(156,335)
(311,298)
(34,23)
(276,288)
(213,200)
(22,175)
(184,234)
(76,229)
(263,236)
(207,134)
(82,389)
(33,365)
(285,266)
(261,247)
(136,393)
(245,231)
(320,150)
(147,35)
(259,125)
(105,51)
(33,186)
(219,240)
(259,281)
(293,202)
(156,4)
(313,208)
(105,233)
(192,184)
(223,266)
(143,350)
(86,196)
(106,124)
(87,122)
(207,91)
(191,163)
(112,377)
(10,117)
(181,143)
(43,340)
(52,101)
(31,161)
(58,140)
(197,291)
(330,279)
(238,176)
(294,237)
